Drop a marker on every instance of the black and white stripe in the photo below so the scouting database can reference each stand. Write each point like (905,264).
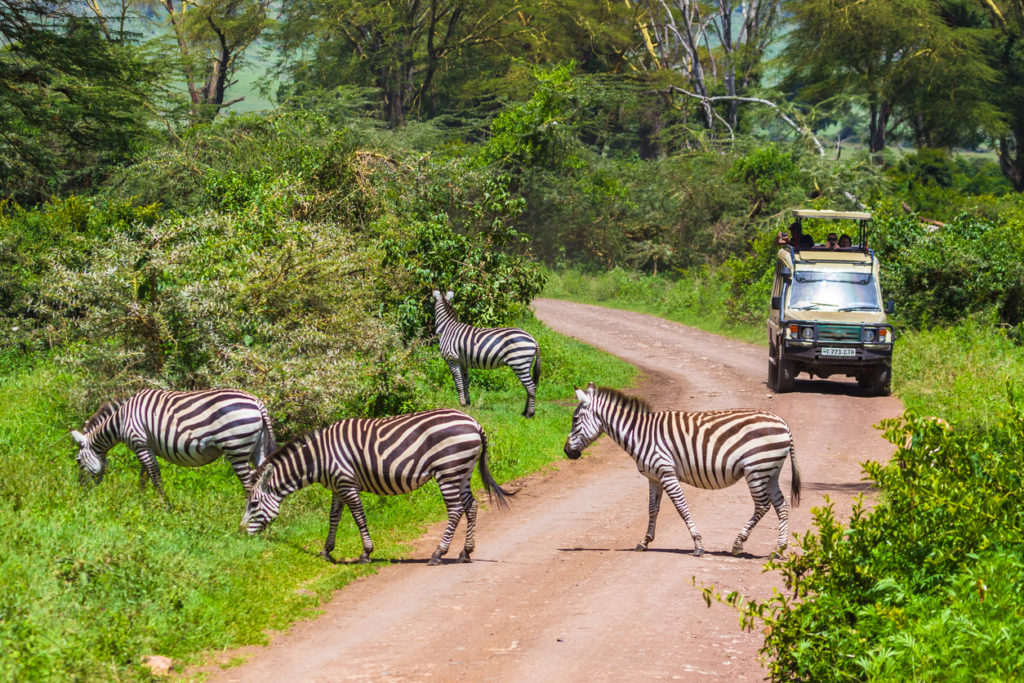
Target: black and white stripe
(708,449)
(386,456)
(189,428)
(464,346)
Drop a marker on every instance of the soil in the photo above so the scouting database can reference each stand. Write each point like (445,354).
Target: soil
(556,591)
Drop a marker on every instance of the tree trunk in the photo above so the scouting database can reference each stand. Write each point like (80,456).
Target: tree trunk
(1011,165)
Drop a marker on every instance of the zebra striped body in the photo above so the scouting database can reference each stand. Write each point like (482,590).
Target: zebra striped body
(190,428)
(386,456)
(709,449)
(464,346)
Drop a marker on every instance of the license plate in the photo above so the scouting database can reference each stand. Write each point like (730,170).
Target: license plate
(838,351)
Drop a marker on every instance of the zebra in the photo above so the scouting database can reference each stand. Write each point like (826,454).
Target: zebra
(190,428)
(707,449)
(387,456)
(464,346)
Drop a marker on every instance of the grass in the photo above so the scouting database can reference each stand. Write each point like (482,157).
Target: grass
(97,577)
(962,373)
(694,298)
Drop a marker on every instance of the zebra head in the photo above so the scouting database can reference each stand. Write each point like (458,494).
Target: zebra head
(262,507)
(96,438)
(585,425)
(88,459)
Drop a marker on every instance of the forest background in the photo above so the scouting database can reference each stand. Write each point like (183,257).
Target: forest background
(643,153)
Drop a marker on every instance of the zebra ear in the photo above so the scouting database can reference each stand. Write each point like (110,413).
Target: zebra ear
(582,396)
(448,295)
(591,388)
(78,437)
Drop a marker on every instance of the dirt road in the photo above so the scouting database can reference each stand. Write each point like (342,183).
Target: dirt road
(556,592)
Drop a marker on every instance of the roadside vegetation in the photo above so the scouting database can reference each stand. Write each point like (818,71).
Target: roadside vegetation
(151,238)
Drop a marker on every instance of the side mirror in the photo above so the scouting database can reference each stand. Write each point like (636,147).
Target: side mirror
(776,303)
(890,306)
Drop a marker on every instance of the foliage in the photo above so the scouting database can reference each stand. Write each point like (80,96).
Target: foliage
(969,265)
(925,586)
(75,100)
(490,279)
(769,176)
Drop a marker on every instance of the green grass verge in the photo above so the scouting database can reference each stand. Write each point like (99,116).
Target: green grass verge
(96,577)
(695,298)
(961,373)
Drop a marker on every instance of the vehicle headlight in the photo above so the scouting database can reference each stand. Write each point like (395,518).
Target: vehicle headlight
(807,333)
(869,335)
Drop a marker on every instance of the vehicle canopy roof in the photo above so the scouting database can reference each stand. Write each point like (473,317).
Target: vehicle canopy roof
(828,260)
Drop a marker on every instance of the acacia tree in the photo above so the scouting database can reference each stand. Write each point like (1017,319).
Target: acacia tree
(899,58)
(398,46)
(719,46)
(1007,54)
(75,99)
(212,36)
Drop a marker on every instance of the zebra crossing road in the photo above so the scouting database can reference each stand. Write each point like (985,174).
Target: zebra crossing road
(556,592)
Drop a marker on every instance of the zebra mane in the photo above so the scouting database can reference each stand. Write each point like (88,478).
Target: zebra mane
(631,403)
(106,410)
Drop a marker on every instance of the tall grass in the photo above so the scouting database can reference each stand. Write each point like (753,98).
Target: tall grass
(96,577)
(694,297)
(961,373)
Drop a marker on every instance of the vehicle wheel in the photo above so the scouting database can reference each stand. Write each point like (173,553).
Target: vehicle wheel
(881,380)
(773,368)
(786,371)
(866,380)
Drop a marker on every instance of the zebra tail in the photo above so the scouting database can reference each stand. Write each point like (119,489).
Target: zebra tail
(536,367)
(794,485)
(490,485)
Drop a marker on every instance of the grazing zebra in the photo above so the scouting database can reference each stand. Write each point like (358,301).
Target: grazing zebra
(464,346)
(190,428)
(386,456)
(709,450)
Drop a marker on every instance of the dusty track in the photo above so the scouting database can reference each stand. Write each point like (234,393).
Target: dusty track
(555,591)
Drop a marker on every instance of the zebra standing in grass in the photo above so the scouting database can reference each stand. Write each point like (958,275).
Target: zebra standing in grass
(709,450)
(190,428)
(386,456)
(464,346)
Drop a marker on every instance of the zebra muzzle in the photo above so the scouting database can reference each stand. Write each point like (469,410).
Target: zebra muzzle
(571,453)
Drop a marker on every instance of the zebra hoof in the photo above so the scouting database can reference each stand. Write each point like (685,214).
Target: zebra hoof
(327,556)
(464,557)
(737,548)
(640,547)
(434,561)
(697,552)
(364,558)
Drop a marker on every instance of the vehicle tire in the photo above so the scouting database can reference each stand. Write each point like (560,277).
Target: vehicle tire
(773,368)
(881,381)
(786,370)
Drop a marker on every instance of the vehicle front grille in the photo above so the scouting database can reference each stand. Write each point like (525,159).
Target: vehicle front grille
(839,333)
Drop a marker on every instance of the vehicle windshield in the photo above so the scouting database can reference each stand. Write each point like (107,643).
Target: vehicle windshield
(817,290)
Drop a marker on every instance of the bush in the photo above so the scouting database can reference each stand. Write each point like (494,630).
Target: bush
(206,301)
(928,584)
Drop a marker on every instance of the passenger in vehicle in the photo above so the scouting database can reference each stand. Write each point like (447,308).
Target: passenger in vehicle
(806,241)
(833,241)
(845,241)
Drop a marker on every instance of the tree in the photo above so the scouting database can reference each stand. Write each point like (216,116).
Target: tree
(899,58)
(75,99)
(704,41)
(1007,54)
(398,46)
(212,36)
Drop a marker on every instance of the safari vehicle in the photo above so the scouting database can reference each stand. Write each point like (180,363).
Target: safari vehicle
(827,316)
